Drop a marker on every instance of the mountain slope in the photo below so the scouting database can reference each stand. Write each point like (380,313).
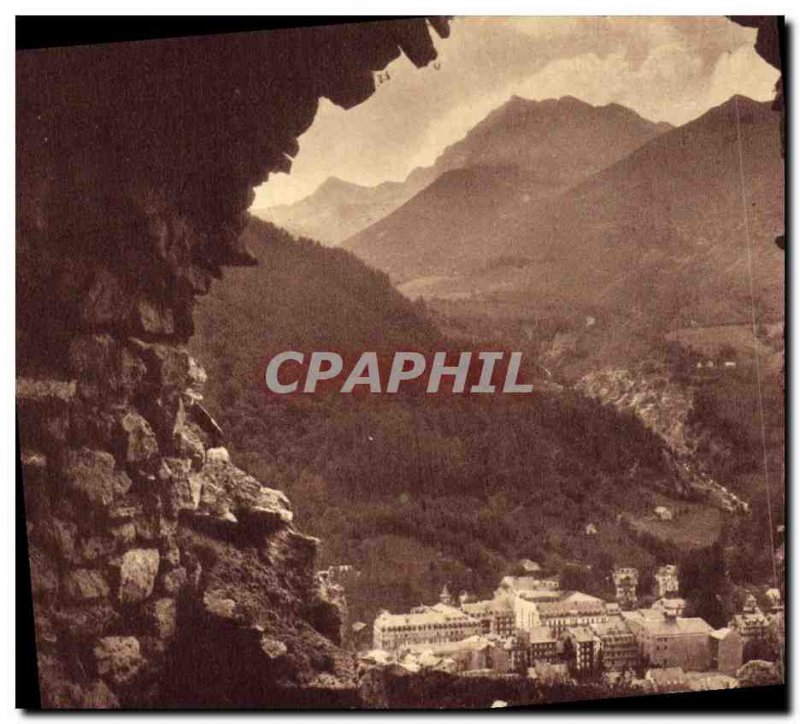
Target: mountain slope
(338,209)
(415,491)
(523,152)
(662,234)
(546,138)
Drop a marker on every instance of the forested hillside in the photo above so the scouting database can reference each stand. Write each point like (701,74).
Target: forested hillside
(415,492)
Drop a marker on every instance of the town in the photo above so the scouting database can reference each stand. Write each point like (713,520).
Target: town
(531,627)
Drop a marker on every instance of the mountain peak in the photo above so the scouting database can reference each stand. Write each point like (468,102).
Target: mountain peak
(336,184)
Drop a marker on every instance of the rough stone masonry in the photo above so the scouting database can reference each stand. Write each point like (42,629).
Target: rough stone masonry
(162,575)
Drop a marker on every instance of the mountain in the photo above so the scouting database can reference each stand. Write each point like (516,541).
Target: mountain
(521,153)
(338,209)
(417,491)
(305,297)
(661,235)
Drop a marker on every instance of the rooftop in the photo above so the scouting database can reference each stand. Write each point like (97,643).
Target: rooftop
(440,613)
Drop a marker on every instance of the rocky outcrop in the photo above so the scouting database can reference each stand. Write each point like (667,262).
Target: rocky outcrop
(665,408)
(161,574)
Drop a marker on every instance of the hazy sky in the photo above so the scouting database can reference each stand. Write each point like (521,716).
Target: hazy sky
(666,69)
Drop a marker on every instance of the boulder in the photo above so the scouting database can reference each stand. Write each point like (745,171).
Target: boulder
(137,574)
(105,368)
(218,604)
(217,454)
(119,658)
(137,437)
(163,614)
(85,584)
(272,648)
(92,474)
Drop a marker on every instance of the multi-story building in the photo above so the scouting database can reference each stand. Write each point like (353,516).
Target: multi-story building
(626,579)
(571,608)
(667,581)
(667,640)
(675,606)
(496,615)
(424,625)
(516,585)
(619,649)
(539,644)
(581,649)
(726,650)
(751,623)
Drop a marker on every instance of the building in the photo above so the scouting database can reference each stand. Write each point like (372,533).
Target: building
(424,625)
(476,653)
(626,579)
(533,585)
(539,645)
(667,581)
(581,649)
(496,615)
(668,680)
(773,595)
(751,623)
(726,650)
(570,608)
(619,649)
(667,640)
(675,606)
(445,597)
(591,529)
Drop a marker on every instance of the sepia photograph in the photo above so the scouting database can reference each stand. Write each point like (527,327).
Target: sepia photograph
(412,363)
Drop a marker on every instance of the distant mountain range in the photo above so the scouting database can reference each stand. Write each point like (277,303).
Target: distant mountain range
(608,220)
(521,153)
(545,139)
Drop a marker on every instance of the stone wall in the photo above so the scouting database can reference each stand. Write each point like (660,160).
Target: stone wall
(161,574)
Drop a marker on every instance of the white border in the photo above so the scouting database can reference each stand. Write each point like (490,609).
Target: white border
(297,7)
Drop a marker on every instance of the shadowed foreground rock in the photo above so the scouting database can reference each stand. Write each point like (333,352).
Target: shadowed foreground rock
(161,574)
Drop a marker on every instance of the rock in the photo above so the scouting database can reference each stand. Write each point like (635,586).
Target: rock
(63,534)
(138,574)
(97,696)
(217,454)
(154,318)
(167,365)
(206,423)
(105,368)
(96,547)
(118,658)
(105,303)
(163,615)
(44,576)
(92,475)
(197,377)
(85,584)
(86,621)
(272,648)
(230,493)
(185,485)
(34,466)
(187,443)
(173,581)
(218,604)
(44,412)
(124,534)
(138,439)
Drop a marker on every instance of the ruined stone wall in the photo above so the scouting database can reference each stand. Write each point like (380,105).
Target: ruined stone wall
(161,574)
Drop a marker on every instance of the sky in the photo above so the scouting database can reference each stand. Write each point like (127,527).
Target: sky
(666,69)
